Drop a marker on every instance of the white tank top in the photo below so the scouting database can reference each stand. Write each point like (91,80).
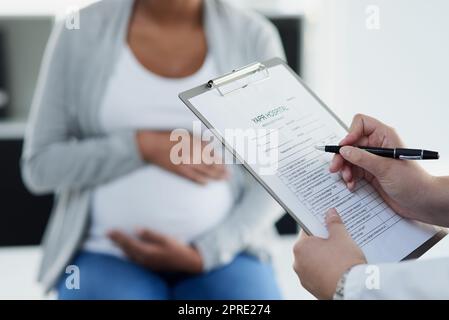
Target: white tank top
(152,197)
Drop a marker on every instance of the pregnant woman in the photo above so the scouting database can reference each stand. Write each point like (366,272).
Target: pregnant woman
(134,224)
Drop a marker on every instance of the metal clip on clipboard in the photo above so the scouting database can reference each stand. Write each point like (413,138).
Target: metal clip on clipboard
(245,72)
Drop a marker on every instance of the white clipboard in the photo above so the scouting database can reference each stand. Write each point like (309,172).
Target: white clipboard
(270,95)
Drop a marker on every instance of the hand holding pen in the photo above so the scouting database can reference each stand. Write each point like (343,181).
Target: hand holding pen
(401,184)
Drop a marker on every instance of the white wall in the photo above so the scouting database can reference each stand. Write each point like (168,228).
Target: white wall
(398,73)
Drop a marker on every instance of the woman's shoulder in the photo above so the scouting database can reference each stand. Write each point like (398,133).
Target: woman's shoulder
(96,20)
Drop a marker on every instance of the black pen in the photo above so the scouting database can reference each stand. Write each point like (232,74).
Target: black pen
(394,153)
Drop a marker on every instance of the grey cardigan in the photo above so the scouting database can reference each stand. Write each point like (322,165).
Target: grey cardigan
(67,152)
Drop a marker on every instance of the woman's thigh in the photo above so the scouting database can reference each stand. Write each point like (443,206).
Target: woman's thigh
(107,277)
(245,278)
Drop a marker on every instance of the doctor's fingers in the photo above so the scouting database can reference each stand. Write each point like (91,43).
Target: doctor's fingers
(336,164)
(361,126)
(302,235)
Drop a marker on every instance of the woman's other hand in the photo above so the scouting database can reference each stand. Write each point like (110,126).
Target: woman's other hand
(156,148)
(158,252)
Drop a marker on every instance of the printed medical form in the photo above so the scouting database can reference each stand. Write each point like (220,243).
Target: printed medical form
(302,182)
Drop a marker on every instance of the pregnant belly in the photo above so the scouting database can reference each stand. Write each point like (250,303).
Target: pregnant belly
(159,200)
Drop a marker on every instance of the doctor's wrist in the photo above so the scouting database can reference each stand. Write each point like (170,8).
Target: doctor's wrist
(342,283)
(437,203)
(340,290)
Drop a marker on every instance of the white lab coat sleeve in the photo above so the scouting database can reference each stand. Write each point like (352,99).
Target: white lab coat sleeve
(419,279)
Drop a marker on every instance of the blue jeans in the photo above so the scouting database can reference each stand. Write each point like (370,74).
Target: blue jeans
(107,277)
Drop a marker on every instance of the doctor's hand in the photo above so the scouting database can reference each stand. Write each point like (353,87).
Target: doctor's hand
(404,185)
(320,263)
(159,252)
(156,148)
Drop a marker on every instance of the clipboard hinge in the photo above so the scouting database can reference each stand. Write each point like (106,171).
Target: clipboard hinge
(238,74)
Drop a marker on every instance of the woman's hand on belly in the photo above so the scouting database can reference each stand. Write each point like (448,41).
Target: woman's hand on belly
(158,252)
(156,148)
